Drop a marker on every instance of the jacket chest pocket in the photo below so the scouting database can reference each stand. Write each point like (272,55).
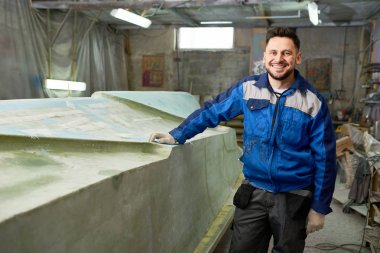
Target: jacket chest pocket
(256,118)
(293,130)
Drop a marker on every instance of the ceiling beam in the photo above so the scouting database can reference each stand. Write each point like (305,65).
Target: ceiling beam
(260,11)
(374,13)
(344,2)
(146,4)
(183,17)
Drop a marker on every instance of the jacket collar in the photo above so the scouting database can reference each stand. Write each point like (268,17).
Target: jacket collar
(299,82)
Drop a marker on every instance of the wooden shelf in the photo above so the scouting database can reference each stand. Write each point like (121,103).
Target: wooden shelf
(372,102)
(372,67)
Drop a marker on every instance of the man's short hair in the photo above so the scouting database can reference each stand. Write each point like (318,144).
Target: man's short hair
(283,32)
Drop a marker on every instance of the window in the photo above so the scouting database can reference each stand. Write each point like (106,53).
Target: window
(206,38)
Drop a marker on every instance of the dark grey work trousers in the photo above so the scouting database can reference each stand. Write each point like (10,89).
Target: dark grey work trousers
(266,215)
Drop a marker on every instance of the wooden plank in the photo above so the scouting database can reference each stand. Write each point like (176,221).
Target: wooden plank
(342,144)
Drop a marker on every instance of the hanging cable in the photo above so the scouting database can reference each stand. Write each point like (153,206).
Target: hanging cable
(49,45)
(73,51)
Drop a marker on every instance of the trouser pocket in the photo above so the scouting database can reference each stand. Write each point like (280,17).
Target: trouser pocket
(298,203)
(243,195)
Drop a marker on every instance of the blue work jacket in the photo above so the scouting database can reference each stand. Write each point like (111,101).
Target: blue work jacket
(288,141)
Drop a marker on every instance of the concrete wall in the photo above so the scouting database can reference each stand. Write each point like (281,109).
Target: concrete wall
(376,41)
(343,46)
(203,73)
(206,72)
(150,42)
(209,73)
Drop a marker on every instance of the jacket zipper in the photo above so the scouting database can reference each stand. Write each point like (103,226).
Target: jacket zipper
(278,96)
(275,113)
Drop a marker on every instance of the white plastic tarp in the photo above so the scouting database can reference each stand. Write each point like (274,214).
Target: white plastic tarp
(84,50)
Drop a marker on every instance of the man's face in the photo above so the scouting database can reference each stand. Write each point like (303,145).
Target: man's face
(281,57)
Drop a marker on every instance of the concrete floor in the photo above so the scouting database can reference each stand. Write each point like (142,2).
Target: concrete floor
(342,231)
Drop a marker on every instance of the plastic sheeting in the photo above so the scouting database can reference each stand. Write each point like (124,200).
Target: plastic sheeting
(84,50)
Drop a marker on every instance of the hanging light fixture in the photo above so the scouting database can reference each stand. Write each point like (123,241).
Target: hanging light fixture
(131,17)
(216,22)
(313,13)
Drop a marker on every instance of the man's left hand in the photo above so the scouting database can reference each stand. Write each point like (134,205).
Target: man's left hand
(315,221)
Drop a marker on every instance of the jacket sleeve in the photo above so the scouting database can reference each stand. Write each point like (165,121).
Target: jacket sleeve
(225,106)
(323,149)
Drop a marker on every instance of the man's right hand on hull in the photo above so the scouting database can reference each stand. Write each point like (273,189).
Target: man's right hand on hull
(162,138)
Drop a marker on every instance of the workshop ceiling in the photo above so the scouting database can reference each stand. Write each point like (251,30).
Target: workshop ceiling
(242,13)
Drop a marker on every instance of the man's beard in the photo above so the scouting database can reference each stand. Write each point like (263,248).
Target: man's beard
(280,78)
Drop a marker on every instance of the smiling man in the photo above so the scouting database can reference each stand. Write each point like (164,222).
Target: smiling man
(288,150)
(280,57)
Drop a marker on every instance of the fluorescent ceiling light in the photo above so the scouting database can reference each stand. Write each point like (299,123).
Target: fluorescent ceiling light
(215,22)
(313,13)
(131,17)
(64,85)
